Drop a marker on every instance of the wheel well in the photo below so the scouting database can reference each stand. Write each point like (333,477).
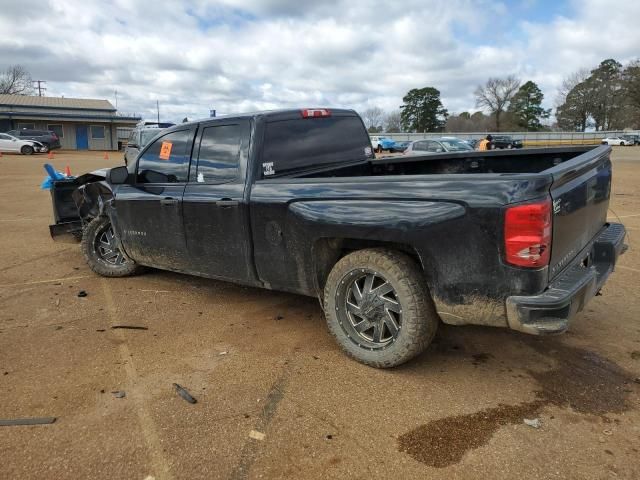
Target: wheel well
(327,252)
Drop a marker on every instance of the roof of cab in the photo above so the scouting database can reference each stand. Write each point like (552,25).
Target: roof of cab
(271,115)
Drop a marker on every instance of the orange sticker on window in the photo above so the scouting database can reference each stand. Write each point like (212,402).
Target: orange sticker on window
(165,150)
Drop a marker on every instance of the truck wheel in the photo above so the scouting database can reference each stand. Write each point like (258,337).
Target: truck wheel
(101,252)
(26,150)
(378,307)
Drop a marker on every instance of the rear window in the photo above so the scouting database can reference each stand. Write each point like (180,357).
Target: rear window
(292,145)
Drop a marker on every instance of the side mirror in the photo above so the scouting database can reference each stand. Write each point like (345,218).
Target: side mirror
(118,175)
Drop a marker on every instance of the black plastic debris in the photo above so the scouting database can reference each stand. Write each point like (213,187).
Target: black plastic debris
(27,421)
(184,393)
(82,294)
(129,327)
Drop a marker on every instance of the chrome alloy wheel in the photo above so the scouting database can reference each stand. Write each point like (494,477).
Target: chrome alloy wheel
(369,309)
(107,249)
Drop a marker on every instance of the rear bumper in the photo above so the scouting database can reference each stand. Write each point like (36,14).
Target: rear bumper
(551,311)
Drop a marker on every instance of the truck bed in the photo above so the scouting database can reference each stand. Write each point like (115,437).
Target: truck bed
(501,162)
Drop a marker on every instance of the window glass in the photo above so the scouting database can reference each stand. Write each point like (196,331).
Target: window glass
(420,146)
(219,154)
(28,126)
(166,160)
(312,142)
(57,129)
(456,145)
(5,137)
(434,147)
(147,135)
(97,131)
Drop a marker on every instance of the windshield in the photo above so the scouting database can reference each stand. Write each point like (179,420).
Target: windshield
(456,145)
(148,135)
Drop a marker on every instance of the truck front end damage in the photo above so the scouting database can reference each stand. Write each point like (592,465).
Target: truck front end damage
(75,202)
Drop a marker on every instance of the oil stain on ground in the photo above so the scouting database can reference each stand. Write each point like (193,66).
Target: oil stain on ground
(581,380)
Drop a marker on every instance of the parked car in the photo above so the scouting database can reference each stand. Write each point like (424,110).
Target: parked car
(437,145)
(617,141)
(9,143)
(48,139)
(381,144)
(632,138)
(399,146)
(140,136)
(383,243)
(500,142)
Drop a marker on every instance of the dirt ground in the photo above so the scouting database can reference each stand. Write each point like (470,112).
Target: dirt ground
(263,361)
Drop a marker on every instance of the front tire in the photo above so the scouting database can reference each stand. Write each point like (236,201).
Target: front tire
(26,150)
(102,253)
(378,307)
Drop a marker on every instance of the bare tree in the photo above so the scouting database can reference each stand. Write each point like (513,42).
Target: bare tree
(392,122)
(569,83)
(16,80)
(373,118)
(496,94)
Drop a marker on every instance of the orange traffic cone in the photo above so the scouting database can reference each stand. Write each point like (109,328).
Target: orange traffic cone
(106,155)
(67,171)
(50,156)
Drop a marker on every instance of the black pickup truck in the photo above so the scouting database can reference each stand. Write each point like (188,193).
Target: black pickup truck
(296,201)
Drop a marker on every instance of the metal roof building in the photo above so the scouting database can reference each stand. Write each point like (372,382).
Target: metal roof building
(81,123)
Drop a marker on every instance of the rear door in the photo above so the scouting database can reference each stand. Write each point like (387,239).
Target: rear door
(580,192)
(148,213)
(216,211)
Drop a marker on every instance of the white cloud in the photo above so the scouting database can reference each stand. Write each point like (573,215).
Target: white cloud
(239,55)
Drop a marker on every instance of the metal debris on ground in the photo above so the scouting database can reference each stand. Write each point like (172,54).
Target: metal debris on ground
(82,293)
(184,393)
(129,327)
(535,422)
(119,394)
(27,421)
(256,435)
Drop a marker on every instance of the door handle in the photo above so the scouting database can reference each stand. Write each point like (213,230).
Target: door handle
(169,201)
(227,202)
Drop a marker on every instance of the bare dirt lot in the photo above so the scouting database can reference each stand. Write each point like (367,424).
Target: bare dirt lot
(263,361)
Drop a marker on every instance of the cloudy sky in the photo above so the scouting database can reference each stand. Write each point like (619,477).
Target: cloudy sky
(243,55)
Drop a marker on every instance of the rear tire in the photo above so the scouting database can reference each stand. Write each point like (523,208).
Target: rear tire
(102,253)
(26,150)
(378,307)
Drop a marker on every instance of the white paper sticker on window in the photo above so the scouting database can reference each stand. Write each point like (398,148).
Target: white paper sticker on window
(200,178)
(367,151)
(268,169)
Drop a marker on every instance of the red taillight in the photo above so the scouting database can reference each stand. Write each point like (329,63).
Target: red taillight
(527,234)
(315,112)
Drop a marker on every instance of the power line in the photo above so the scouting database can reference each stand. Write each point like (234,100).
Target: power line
(40,88)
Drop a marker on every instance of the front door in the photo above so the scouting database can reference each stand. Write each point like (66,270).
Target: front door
(148,213)
(216,213)
(82,137)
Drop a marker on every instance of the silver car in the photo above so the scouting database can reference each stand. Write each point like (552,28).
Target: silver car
(437,145)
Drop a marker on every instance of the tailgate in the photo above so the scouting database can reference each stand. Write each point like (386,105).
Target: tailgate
(580,192)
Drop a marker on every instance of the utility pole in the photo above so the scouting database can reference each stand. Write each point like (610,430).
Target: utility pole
(39,86)
(158,109)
